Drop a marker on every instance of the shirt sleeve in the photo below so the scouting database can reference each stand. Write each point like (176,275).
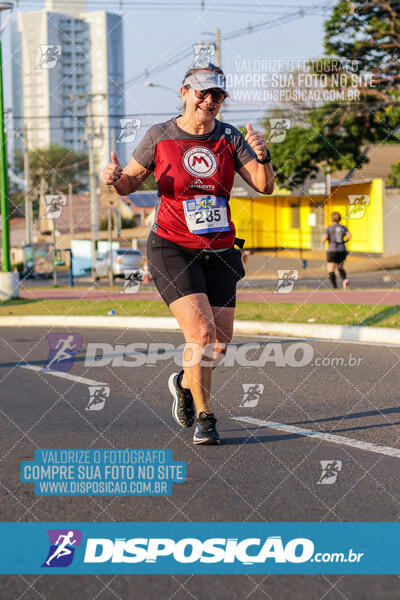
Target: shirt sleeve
(243,151)
(144,152)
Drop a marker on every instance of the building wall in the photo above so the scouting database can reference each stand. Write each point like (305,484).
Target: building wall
(35,82)
(283,221)
(91,61)
(106,77)
(391,221)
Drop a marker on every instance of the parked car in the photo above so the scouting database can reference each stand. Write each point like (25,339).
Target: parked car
(122,260)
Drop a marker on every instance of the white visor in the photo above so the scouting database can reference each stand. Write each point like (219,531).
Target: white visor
(205,80)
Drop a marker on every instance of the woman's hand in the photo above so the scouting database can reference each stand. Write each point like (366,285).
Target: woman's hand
(256,140)
(112,171)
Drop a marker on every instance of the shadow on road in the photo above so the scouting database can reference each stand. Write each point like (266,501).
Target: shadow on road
(385,313)
(357,415)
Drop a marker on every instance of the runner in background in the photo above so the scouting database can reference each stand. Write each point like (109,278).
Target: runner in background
(337,235)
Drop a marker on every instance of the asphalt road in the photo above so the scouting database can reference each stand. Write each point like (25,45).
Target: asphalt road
(385,279)
(261,472)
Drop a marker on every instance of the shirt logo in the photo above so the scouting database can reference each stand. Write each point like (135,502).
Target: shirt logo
(200,161)
(198,184)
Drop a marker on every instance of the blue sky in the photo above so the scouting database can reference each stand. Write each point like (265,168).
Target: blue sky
(152,36)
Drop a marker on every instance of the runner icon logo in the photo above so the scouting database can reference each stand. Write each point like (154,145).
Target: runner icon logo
(49,56)
(277,130)
(357,206)
(203,54)
(133,279)
(54,205)
(251,394)
(129,129)
(330,471)
(200,162)
(98,396)
(286,279)
(63,347)
(63,543)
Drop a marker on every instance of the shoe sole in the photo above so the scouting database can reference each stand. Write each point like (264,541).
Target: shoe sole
(172,389)
(206,442)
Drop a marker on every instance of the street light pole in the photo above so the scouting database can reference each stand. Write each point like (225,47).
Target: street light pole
(90,136)
(8,280)
(5,225)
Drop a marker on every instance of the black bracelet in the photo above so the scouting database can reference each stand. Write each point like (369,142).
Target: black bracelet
(267,159)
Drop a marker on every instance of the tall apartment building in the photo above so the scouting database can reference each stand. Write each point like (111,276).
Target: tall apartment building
(62,52)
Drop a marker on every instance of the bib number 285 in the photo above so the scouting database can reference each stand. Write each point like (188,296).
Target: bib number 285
(206,214)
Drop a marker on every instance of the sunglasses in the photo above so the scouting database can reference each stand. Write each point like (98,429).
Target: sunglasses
(217,94)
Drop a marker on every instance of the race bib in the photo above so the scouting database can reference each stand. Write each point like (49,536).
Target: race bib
(206,214)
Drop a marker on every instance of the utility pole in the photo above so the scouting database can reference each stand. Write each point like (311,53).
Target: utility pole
(218,47)
(28,202)
(71,210)
(90,136)
(117,211)
(92,184)
(110,266)
(53,227)
(218,58)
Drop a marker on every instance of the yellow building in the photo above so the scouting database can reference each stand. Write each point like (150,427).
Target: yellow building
(298,222)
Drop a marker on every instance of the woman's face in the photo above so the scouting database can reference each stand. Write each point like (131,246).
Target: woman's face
(203,110)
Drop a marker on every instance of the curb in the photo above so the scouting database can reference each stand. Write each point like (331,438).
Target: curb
(373,335)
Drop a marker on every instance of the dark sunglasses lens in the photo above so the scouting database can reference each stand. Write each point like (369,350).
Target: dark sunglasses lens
(217,95)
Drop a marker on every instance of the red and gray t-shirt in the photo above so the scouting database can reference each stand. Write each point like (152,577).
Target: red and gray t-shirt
(194,175)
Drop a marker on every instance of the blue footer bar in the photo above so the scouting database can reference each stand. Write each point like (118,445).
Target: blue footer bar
(199,548)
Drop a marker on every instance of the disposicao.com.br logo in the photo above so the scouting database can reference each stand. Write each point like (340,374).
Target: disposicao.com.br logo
(191,550)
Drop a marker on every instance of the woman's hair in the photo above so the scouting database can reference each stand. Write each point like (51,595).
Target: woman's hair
(336,217)
(210,67)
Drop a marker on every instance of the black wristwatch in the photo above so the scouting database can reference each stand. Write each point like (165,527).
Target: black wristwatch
(267,159)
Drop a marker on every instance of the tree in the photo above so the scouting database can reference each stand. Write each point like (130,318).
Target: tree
(58,166)
(393,179)
(366,33)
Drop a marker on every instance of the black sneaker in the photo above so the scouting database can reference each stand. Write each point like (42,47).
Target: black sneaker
(182,406)
(205,431)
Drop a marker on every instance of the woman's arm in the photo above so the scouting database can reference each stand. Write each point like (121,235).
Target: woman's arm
(127,180)
(260,177)
(132,177)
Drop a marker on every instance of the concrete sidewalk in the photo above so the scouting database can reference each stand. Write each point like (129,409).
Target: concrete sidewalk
(371,297)
(371,335)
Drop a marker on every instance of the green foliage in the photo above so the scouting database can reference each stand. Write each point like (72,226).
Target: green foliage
(58,166)
(126,223)
(149,184)
(331,135)
(19,266)
(393,179)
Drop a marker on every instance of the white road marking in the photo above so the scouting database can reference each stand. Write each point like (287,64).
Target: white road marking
(327,437)
(63,375)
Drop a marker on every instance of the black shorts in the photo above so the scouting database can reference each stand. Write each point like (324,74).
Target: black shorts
(336,257)
(179,271)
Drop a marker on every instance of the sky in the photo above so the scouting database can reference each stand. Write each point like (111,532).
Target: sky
(156,33)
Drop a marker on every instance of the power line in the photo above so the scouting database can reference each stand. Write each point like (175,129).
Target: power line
(220,6)
(298,14)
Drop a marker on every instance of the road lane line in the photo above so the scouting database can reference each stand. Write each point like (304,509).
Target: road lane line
(63,375)
(327,437)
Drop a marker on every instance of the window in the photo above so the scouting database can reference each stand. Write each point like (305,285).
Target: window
(294,216)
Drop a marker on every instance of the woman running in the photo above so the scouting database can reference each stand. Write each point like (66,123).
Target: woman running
(337,235)
(190,249)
